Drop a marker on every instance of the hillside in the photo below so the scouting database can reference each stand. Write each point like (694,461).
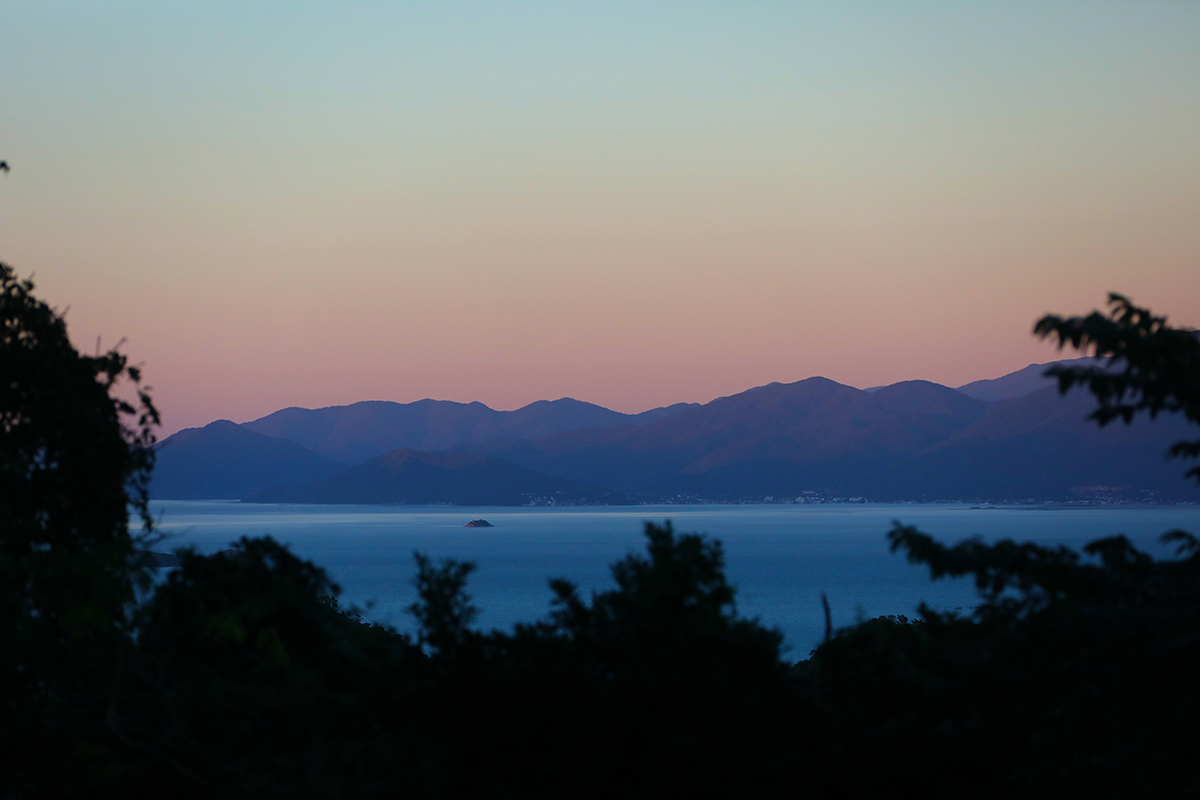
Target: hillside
(407,477)
(909,441)
(223,460)
(771,439)
(1042,445)
(1020,383)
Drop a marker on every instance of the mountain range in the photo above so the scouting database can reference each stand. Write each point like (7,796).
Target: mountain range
(361,431)
(1010,438)
(405,476)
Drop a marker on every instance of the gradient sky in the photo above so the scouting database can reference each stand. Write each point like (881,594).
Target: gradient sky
(634,204)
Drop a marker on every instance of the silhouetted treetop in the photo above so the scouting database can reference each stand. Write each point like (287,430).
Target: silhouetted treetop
(1151,366)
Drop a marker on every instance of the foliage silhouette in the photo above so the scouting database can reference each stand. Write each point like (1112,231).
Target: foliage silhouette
(1072,675)
(1160,365)
(1075,673)
(74,460)
(249,678)
(444,611)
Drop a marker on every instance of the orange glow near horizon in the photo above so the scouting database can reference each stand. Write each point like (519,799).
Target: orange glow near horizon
(629,206)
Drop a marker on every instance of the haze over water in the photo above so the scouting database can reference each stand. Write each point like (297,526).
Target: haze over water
(780,557)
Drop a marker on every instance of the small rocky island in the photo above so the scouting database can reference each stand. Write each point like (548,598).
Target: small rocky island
(479,523)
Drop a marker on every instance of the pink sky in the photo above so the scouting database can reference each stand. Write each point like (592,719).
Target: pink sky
(629,206)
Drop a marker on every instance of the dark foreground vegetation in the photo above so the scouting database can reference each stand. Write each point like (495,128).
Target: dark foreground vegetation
(239,674)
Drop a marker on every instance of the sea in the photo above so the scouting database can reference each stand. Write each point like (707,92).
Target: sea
(780,558)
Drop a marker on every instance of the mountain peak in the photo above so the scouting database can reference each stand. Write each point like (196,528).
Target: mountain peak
(224,460)
(1022,382)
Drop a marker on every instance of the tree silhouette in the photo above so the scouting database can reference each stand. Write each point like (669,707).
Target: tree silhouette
(74,460)
(1075,673)
(1151,366)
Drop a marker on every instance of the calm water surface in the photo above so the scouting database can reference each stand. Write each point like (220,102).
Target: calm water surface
(780,557)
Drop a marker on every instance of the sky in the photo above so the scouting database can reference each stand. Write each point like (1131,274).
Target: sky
(633,204)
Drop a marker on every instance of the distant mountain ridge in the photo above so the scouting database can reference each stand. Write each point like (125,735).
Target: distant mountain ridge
(776,438)
(913,440)
(224,460)
(355,433)
(1022,382)
(908,441)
